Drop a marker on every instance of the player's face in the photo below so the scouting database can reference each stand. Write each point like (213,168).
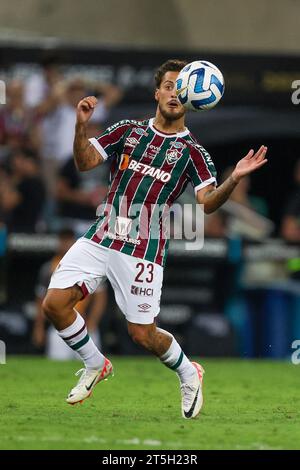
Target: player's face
(166,97)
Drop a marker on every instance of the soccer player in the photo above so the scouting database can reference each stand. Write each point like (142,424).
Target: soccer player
(153,161)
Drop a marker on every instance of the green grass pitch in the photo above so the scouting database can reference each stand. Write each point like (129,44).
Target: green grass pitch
(247,405)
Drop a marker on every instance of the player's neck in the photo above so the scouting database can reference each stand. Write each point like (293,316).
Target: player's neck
(168,126)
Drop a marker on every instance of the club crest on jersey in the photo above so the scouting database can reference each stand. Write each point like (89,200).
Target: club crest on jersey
(172,156)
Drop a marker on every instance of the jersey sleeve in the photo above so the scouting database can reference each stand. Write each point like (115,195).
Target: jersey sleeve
(201,169)
(111,141)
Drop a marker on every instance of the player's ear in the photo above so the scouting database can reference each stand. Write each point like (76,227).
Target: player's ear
(156,94)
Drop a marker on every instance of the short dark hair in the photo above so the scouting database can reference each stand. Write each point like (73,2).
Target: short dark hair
(172,65)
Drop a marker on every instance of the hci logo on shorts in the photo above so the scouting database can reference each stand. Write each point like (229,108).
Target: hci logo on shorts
(137,290)
(123,226)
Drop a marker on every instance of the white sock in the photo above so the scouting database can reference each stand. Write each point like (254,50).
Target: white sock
(77,337)
(176,360)
(95,336)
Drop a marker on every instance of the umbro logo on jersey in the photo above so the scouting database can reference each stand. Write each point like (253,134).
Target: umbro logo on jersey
(144,307)
(131,142)
(137,290)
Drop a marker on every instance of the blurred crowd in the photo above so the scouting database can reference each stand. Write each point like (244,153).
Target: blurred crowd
(40,188)
(248,215)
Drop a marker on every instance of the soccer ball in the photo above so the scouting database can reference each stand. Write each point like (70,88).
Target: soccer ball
(199,85)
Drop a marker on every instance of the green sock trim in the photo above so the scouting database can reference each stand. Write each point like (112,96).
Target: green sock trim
(81,343)
(178,362)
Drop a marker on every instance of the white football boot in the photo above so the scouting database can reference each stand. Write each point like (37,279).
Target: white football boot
(191,393)
(88,379)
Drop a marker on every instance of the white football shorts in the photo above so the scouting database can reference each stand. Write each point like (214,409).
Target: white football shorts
(136,282)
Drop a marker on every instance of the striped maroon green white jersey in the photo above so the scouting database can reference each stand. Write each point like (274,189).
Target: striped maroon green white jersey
(149,171)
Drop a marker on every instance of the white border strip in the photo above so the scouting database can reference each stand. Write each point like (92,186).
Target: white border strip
(167,136)
(205,183)
(99,147)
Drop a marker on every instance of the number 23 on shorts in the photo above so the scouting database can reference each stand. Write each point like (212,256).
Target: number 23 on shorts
(145,272)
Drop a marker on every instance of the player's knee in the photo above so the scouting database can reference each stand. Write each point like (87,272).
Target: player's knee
(59,301)
(141,335)
(50,306)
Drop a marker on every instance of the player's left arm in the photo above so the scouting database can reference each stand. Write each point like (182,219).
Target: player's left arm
(212,198)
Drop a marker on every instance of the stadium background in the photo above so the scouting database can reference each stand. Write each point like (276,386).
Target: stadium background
(240,295)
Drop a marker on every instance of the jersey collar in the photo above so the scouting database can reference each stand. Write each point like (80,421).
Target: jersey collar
(163,134)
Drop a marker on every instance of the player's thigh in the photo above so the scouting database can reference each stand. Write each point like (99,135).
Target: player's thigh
(137,285)
(83,265)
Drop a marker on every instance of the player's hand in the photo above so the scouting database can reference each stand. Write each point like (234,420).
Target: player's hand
(251,162)
(85,109)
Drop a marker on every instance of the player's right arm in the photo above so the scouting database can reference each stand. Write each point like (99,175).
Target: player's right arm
(85,154)
(212,198)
